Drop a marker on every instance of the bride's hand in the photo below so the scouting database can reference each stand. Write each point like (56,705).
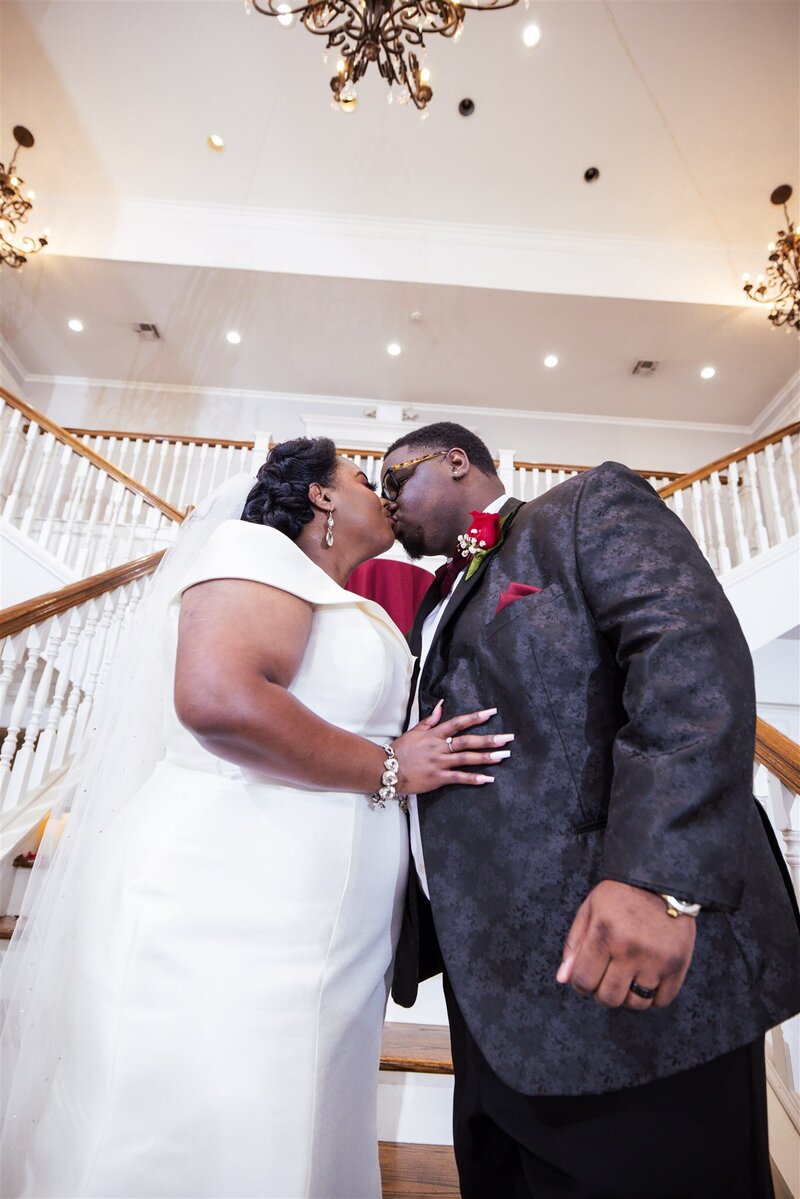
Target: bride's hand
(427,760)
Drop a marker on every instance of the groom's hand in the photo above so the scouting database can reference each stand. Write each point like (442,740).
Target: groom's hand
(622,934)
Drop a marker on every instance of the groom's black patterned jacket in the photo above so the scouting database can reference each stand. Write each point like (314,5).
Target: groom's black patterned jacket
(629,686)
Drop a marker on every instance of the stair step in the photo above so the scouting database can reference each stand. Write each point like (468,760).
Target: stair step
(416,1048)
(7,926)
(421,1171)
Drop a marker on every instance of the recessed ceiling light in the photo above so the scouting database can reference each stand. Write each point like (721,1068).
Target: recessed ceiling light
(707,372)
(531,35)
(75,325)
(233,337)
(394,349)
(551,360)
(216,143)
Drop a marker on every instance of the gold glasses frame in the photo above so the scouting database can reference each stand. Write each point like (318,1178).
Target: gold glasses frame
(392,491)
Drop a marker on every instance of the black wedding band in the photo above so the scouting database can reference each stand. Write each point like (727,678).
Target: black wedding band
(643,992)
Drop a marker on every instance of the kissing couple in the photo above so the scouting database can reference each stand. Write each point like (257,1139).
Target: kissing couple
(284,808)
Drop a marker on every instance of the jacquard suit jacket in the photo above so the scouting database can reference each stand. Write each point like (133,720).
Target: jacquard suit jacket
(629,686)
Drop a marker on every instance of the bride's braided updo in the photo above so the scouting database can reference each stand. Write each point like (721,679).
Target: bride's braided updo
(279,497)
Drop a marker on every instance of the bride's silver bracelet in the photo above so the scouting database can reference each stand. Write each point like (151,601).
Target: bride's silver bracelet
(388,788)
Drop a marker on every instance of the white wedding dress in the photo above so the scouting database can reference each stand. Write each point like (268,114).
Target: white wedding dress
(228,984)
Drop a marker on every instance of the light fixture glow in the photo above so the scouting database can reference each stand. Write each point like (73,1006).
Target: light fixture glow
(707,372)
(551,360)
(531,36)
(286,17)
(233,337)
(394,349)
(31,194)
(216,143)
(75,325)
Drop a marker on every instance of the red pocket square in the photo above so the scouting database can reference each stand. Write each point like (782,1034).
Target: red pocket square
(515,591)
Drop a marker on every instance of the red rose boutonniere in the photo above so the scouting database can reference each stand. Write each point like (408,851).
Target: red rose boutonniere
(484,535)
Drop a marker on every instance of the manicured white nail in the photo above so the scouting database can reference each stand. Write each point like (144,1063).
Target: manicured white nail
(501,753)
(503,738)
(485,778)
(488,712)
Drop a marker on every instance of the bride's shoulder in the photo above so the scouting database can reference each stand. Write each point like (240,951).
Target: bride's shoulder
(239,549)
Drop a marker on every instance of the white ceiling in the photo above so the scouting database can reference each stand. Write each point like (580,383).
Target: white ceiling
(348,223)
(322,336)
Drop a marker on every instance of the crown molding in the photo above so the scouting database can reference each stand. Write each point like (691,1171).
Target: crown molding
(782,409)
(437,411)
(435,252)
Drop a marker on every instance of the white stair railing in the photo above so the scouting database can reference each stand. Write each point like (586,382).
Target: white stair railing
(743,504)
(182,470)
(73,504)
(54,653)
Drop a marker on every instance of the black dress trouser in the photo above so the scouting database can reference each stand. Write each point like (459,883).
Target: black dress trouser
(700,1134)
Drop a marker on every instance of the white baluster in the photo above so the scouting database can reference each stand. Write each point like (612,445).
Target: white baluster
(133,549)
(200,489)
(781,531)
(12,437)
(86,562)
(20,479)
(18,712)
(66,461)
(73,511)
(97,622)
(723,552)
(171,489)
(230,462)
(790,481)
(754,502)
(150,462)
(163,465)
(734,497)
(48,444)
(697,514)
(105,548)
(9,656)
(23,762)
(187,471)
(217,464)
(59,719)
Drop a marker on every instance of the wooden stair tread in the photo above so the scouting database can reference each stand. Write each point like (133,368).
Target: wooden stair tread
(416,1048)
(7,926)
(421,1171)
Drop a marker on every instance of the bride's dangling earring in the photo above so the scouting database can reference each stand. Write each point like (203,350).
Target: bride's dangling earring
(329,531)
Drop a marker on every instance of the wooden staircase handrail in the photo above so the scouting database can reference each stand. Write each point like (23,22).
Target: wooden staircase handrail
(172,438)
(734,456)
(186,439)
(32,414)
(779,754)
(646,474)
(53,603)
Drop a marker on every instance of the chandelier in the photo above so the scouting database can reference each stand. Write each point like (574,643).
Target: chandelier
(781,289)
(14,208)
(386,32)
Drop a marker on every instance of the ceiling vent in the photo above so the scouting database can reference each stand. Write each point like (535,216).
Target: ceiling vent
(147,330)
(645,366)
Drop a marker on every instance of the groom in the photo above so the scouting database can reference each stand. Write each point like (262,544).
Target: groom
(611,917)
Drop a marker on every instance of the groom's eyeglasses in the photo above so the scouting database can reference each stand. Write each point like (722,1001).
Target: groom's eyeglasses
(392,485)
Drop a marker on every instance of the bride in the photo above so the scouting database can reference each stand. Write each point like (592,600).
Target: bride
(194,999)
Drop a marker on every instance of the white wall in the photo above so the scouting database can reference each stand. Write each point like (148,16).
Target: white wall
(540,437)
(777,670)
